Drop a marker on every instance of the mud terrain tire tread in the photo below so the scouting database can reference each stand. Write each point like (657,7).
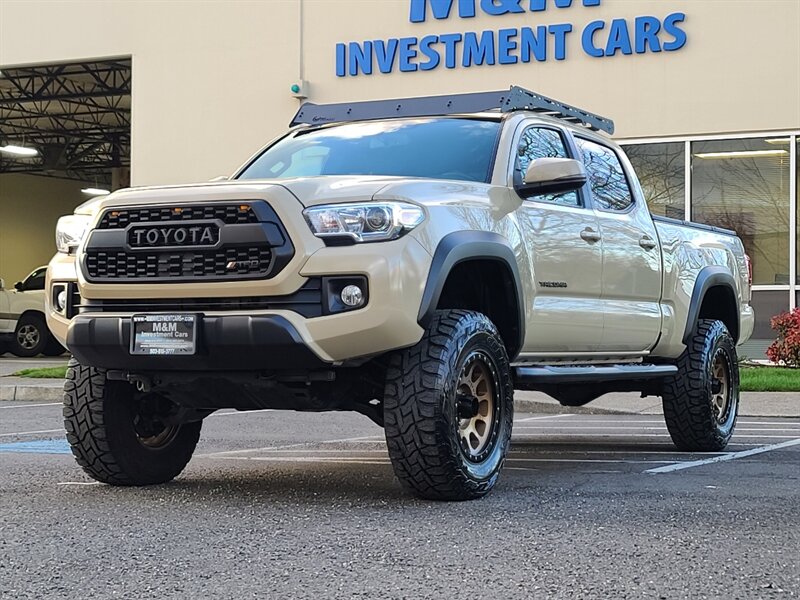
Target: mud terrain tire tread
(686,399)
(90,405)
(424,456)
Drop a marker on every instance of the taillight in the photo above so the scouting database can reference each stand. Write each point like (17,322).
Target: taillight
(749,264)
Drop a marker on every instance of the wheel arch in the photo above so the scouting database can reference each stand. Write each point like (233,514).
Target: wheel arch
(483,252)
(32,312)
(714,297)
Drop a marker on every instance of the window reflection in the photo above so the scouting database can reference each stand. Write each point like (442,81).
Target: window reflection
(610,190)
(661,169)
(535,143)
(744,185)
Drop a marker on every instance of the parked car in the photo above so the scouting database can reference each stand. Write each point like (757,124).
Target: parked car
(23,327)
(414,260)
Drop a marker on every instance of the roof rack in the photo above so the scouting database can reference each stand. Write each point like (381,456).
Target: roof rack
(515,99)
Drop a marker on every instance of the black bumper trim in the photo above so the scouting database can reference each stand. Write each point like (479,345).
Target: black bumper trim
(224,343)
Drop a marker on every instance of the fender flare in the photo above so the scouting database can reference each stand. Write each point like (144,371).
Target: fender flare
(459,247)
(709,277)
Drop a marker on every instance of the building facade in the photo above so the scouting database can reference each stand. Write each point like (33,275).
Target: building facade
(705,93)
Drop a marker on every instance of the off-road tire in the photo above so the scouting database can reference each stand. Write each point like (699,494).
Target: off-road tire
(420,408)
(99,421)
(689,410)
(26,323)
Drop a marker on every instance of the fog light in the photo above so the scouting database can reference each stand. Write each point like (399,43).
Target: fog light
(61,301)
(352,296)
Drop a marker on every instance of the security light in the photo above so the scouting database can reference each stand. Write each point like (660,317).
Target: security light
(19,150)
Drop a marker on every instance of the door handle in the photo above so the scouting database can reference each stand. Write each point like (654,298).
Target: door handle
(590,235)
(647,242)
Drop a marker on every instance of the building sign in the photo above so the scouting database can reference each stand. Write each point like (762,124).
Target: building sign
(507,46)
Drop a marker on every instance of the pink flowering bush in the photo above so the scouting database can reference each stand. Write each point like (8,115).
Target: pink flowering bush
(786,349)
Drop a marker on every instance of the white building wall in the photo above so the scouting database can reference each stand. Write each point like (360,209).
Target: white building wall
(211,78)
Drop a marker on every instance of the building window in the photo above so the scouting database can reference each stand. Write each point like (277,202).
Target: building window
(744,185)
(662,172)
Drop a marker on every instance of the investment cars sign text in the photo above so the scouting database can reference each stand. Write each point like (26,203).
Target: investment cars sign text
(535,43)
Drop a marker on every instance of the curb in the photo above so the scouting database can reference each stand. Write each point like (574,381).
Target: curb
(551,408)
(30,393)
(54,393)
(49,393)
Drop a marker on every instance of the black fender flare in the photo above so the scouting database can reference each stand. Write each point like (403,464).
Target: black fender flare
(709,277)
(460,246)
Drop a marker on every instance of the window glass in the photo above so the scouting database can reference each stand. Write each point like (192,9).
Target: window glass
(535,143)
(744,185)
(35,281)
(440,148)
(610,189)
(661,169)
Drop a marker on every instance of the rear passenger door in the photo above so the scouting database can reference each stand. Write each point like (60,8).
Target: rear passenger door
(631,287)
(562,236)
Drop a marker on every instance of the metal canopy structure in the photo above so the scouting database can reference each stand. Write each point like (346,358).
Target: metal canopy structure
(514,99)
(77,116)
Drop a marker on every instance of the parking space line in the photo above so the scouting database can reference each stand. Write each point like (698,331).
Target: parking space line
(577,434)
(286,446)
(237,413)
(16,433)
(723,458)
(525,420)
(632,428)
(310,459)
(79,483)
(31,405)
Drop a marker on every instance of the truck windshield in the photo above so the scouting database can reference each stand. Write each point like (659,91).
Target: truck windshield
(440,148)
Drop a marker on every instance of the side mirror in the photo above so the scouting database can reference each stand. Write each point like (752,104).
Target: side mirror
(19,287)
(553,176)
(2,284)
(218,178)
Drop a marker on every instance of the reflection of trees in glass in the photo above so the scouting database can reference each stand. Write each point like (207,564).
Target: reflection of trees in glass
(535,143)
(609,185)
(749,194)
(661,170)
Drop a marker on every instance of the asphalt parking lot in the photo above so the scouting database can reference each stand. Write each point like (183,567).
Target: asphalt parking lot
(286,505)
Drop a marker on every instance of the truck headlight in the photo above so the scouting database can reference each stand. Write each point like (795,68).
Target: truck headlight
(70,231)
(364,221)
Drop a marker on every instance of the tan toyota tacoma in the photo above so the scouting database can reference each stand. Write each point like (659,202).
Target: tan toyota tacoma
(413,260)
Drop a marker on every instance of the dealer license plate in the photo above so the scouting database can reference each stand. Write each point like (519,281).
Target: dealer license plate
(165,335)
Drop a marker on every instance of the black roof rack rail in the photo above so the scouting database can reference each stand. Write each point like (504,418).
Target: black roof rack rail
(515,99)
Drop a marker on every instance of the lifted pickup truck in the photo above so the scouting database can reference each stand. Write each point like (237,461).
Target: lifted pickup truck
(413,260)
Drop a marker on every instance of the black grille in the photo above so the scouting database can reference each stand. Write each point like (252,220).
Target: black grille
(230,214)
(307,301)
(122,265)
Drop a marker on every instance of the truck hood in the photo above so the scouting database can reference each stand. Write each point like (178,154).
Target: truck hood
(310,191)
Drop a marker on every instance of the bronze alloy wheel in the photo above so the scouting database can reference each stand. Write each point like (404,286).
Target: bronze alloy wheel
(160,439)
(720,386)
(478,385)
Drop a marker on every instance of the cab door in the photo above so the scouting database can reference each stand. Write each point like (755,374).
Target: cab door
(632,270)
(562,235)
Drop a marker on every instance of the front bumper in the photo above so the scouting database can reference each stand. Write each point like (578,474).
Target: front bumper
(228,343)
(396,272)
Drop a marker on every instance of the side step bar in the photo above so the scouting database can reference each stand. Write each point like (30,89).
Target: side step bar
(590,374)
